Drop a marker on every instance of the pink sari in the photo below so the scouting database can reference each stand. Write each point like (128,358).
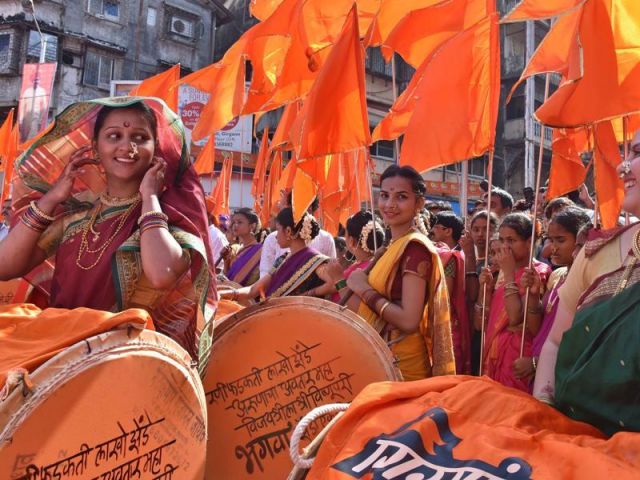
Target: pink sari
(502,346)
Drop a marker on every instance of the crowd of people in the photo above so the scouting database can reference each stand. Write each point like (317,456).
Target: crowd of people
(414,270)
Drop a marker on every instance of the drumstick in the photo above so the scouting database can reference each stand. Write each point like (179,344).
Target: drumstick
(347,294)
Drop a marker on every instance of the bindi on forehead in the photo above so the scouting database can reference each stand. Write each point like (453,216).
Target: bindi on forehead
(126,124)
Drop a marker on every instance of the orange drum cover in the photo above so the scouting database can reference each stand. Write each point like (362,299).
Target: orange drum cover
(14,291)
(118,405)
(274,362)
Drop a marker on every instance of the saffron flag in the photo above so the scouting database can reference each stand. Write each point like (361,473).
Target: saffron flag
(609,33)
(303,192)
(11,153)
(609,187)
(540,9)
(219,199)
(281,137)
(335,111)
(466,427)
(163,85)
(419,34)
(567,169)
(5,139)
(272,194)
(205,162)
(260,173)
(559,52)
(456,112)
(263,9)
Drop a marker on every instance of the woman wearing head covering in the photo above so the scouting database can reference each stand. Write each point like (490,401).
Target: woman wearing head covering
(109,191)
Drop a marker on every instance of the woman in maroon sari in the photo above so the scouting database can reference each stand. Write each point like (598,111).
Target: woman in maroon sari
(300,272)
(110,191)
(245,268)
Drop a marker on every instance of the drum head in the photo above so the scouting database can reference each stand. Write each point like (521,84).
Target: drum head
(274,362)
(118,405)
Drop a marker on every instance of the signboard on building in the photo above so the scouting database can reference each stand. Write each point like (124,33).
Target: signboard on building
(121,88)
(35,96)
(236,136)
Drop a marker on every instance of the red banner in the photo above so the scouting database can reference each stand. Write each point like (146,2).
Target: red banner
(35,95)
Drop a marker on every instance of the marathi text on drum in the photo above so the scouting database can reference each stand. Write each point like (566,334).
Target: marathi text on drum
(116,449)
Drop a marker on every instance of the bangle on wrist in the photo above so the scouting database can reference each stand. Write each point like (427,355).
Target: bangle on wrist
(340,284)
(384,307)
(471,274)
(534,363)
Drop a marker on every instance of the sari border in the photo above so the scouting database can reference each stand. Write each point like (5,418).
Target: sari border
(305,271)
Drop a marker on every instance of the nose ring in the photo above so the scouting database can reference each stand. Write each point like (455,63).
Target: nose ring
(626,168)
(134,149)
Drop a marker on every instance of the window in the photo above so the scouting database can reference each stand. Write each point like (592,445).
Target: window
(181,26)
(35,46)
(5,52)
(152,15)
(107,8)
(98,70)
(383,149)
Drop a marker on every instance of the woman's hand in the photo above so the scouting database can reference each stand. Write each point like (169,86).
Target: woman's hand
(486,278)
(153,181)
(468,247)
(531,279)
(506,262)
(523,368)
(61,190)
(358,282)
(332,272)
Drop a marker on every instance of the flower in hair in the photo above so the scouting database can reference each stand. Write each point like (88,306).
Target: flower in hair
(307,228)
(420,225)
(364,236)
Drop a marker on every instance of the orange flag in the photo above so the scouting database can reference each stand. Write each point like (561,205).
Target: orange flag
(567,170)
(163,85)
(224,82)
(205,162)
(559,52)
(263,9)
(6,132)
(281,138)
(272,194)
(220,193)
(303,192)
(335,111)
(455,116)
(11,154)
(609,187)
(609,33)
(419,34)
(260,173)
(539,9)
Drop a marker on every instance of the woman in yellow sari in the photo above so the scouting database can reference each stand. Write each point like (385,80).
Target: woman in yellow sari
(405,295)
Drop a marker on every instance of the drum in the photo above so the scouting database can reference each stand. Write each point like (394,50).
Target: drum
(123,404)
(274,362)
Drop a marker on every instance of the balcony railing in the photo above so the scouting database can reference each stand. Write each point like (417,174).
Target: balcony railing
(548,134)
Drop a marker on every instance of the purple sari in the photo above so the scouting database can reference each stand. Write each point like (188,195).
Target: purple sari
(245,269)
(296,274)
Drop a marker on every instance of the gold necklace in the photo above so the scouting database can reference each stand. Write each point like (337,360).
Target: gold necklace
(84,243)
(118,201)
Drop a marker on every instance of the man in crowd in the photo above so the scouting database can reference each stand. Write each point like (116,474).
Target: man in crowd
(447,229)
(501,202)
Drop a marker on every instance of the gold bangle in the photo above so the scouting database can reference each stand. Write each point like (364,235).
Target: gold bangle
(384,307)
(40,213)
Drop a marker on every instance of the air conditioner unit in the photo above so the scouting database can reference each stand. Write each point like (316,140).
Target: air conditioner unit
(181,27)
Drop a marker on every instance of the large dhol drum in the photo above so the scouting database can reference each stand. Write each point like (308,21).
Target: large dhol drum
(274,362)
(126,404)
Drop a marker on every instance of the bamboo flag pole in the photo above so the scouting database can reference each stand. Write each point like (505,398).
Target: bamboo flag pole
(396,150)
(625,143)
(373,210)
(486,258)
(535,217)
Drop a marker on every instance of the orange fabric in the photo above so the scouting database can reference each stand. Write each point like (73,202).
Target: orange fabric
(609,34)
(227,307)
(390,13)
(260,173)
(11,152)
(271,194)
(205,162)
(609,187)
(262,9)
(30,336)
(419,34)
(559,52)
(224,82)
(5,139)
(455,117)
(466,427)
(219,199)
(539,9)
(303,192)
(281,137)
(285,182)
(340,86)
(567,170)
(163,85)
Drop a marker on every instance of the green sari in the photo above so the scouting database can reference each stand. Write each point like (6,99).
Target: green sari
(598,366)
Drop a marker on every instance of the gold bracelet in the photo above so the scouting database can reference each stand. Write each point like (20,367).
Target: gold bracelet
(40,213)
(384,307)
(153,213)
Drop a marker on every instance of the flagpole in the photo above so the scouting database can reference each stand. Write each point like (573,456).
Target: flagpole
(535,216)
(241,181)
(625,143)
(396,150)
(464,193)
(373,213)
(486,258)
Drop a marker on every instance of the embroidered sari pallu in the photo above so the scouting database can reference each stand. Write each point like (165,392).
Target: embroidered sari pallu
(245,269)
(296,274)
(429,351)
(598,366)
